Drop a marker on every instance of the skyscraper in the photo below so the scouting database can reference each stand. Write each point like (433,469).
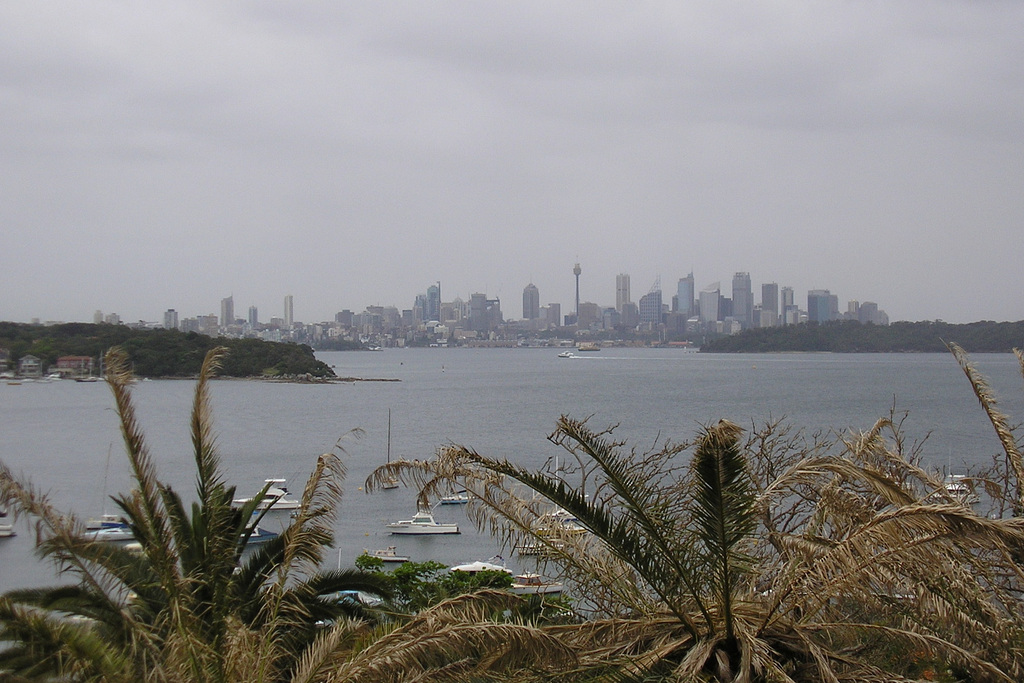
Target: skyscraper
(650,305)
(254,317)
(789,315)
(576,271)
(621,291)
(769,305)
(684,294)
(742,299)
(227,311)
(709,297)
(170,319)
(289,312)
(433,310)
(531,302)
(822,306)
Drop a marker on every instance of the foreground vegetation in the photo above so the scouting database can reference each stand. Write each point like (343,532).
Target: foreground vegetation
(160,353)
(758,554)
(853,337)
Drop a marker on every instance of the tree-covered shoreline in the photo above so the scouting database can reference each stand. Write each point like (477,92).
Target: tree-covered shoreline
(161,353)
(853,337)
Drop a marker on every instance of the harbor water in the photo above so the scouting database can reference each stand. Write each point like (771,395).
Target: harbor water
(63,436)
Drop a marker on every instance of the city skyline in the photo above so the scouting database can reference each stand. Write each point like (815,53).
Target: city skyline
(347,154)
(779,303)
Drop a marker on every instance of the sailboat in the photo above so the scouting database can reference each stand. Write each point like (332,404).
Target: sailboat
(390,482)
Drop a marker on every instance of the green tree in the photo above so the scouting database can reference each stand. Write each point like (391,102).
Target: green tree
(192,604)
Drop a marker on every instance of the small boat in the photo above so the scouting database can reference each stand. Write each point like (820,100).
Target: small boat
(388,554)
(479,566)
(534,584)
(587,347)
(566,354)
(104,521)
(422,523)
(260,535)
(457,498)
(276,497)
(111,534)
(6,528)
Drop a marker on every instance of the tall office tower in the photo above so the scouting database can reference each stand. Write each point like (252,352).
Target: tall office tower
(433,311)
(289,312)
(684,292)
(822,306)
(478,312)
(170,319)
(650,304)
(770,297)
(621,291)
(531,302)
(789,312)
(419,308)
(227,311)
(97,317)
(769,315)
(742,299)
(254,317)
(576,271)
(554,314)
(709,297)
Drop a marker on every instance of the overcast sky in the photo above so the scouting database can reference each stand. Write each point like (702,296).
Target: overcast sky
(159,155)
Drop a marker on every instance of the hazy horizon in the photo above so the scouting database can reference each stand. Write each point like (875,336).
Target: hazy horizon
(169,155)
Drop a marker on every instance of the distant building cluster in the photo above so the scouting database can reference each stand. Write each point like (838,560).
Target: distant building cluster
(686,314)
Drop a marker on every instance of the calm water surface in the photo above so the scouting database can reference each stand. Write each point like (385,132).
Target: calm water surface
(501,402)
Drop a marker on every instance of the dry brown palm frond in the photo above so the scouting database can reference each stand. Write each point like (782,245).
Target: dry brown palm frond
(916,642)
(144,506)
(1000,422)
(454,635)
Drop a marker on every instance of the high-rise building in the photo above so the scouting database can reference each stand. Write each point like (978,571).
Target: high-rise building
(478,312)
(709,297)
(433,309)
(531,302)
(554,314)
(254,317)
(822,306)
(769,305)
(170,319)
(650,305)
(742,299)
(576,270)
(227,311)
(621,291)
(790,312)
(289,312)
(770,297)
(684,295)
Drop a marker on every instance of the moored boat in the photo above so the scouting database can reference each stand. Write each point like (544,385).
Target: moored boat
(6,528)
(457,498)
(276,497)
(389,554)
(422,523)
(534,584)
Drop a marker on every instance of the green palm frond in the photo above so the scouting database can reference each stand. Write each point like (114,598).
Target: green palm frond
(724,510)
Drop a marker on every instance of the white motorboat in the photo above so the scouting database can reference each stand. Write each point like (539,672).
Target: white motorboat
(111,534)
(457,498)
(566,354)
(422,523)
(534,584)
(6,528)
(479,566)
(276,497)
(388,554)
